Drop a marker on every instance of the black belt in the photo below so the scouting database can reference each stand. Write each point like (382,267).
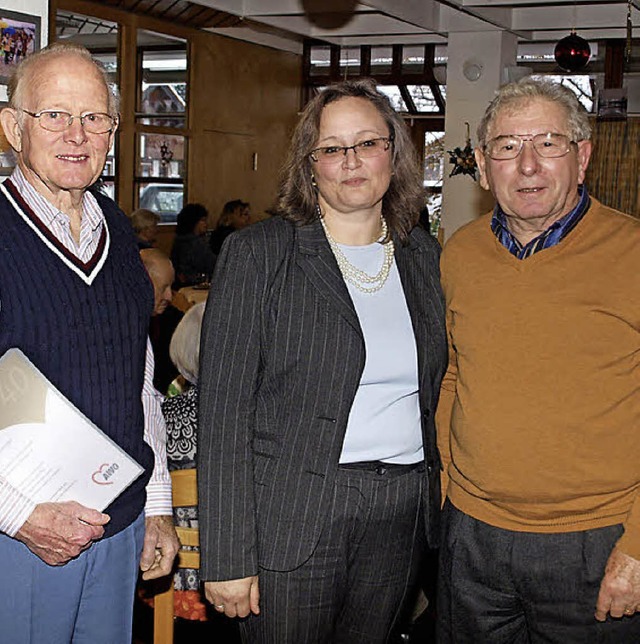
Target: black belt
(380,467)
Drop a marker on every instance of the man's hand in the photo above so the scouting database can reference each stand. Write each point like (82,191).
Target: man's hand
(620,588)
(59,532)
(160,547)
(234,598)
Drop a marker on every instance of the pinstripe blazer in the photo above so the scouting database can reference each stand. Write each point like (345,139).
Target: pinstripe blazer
(281,357)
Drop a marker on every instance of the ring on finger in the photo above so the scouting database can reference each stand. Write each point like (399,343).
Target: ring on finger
(629,611)
(219,606)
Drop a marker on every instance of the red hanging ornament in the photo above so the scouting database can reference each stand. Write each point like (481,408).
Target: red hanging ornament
(572,53)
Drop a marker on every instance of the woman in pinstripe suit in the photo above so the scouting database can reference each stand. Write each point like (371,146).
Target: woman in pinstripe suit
(322,353)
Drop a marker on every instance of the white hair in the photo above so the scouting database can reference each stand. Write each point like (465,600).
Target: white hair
(184,349)
(510,96)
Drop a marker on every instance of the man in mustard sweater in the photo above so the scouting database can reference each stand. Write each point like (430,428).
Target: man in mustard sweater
(540,409)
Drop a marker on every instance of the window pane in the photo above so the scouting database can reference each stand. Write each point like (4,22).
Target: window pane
(433,158)
(96,34)
(381,59)
(349,62)
(412,59)
(531,53)
(107,188)
(163,198)
(434,205)
(441,55)
(161,155)
(433,176)
(580,85)
(163,90)
(110,165)
(320,60)
(110,62)
(395,97)
(100,37)
(7,156)
(423,98)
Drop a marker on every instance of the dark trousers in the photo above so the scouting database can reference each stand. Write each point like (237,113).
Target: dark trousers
(352,588)
(501,587)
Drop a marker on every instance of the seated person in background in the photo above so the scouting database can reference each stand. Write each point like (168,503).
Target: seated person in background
(180,414)
(145,224)
(161,273)
(235,215)
(192,258)
(165,317)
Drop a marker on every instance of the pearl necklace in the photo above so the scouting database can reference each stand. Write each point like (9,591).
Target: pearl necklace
(363,281)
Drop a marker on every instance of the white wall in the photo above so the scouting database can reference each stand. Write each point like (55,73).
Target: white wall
(32,8)
(467,99)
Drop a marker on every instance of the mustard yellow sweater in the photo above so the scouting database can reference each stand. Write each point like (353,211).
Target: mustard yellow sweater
(539,416)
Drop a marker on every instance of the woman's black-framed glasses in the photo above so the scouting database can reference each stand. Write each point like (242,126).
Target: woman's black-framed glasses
(368,149)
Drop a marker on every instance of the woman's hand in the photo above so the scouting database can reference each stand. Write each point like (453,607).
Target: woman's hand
(234,598)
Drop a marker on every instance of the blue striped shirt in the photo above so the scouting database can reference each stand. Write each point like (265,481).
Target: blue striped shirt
(550,237)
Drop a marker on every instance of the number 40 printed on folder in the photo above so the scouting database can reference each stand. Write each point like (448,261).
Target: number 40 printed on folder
(49,450)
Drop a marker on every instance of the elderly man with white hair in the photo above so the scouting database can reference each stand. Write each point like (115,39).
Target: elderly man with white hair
(539,410)
(76,300)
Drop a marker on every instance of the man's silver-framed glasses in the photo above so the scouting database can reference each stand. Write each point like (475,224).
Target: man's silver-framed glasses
(549,145)
(58,121)
(368,149)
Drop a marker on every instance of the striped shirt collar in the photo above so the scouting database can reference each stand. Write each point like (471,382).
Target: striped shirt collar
(550,237)
(85,258)
(59,223)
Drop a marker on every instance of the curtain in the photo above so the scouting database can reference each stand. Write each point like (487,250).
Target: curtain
(612,176)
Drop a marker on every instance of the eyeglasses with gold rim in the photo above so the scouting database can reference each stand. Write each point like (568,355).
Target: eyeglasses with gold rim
(549,145)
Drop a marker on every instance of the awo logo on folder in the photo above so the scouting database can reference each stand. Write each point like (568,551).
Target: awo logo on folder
(49,450)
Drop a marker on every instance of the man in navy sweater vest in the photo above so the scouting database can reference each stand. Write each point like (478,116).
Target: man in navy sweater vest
(75,298)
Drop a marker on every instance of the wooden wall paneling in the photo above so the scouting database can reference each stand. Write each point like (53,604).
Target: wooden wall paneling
(244,101)
(229,163)
(127,138)
(614,63)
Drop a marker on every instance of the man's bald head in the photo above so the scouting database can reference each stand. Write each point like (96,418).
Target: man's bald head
(162,275)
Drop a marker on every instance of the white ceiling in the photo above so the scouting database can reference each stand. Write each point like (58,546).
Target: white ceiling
(285,23)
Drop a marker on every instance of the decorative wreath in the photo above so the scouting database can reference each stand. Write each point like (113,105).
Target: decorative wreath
(463,160)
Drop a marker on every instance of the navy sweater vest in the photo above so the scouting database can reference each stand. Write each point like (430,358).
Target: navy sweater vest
(88,339)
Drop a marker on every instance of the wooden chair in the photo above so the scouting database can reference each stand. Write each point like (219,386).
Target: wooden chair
(185,493)
(180,301)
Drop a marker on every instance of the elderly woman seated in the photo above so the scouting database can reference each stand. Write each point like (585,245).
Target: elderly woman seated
(180,414)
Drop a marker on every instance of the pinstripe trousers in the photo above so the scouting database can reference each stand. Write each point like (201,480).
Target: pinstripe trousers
(352,588)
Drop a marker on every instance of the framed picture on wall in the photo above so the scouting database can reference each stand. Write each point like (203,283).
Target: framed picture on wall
(19,37)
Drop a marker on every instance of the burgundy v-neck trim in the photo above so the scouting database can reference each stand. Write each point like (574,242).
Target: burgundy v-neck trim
(85,267)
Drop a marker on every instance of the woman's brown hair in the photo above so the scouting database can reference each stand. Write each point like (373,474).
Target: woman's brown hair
(405,197)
